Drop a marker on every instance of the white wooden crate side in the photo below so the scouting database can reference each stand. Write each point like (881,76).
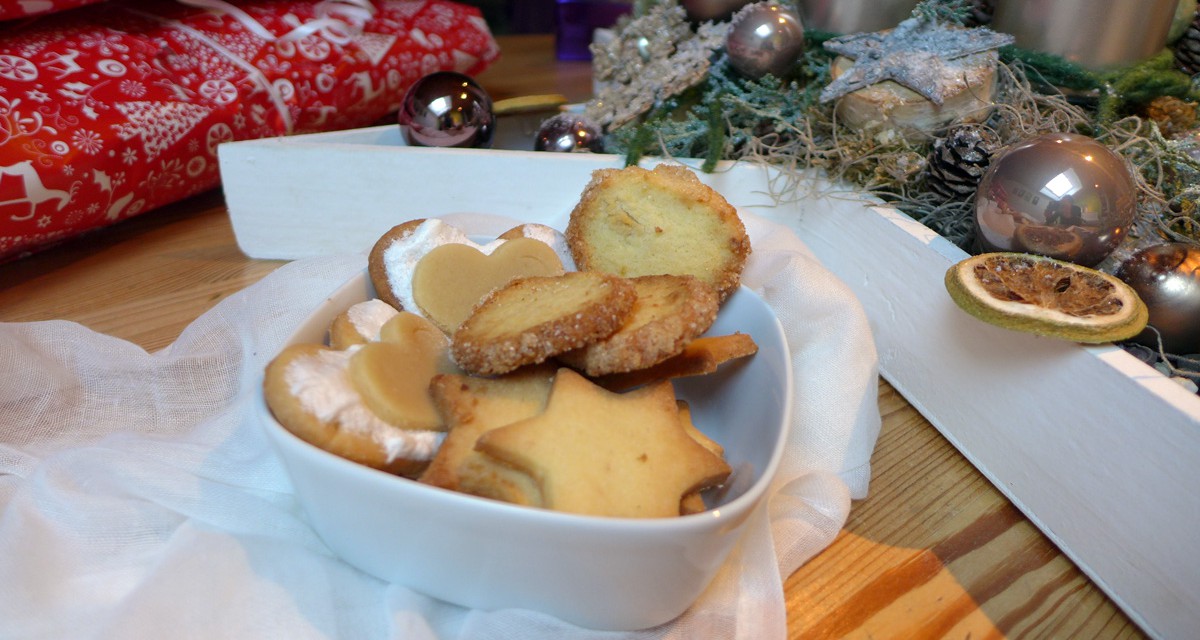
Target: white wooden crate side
(283,194)
(1100,451)
(338,192)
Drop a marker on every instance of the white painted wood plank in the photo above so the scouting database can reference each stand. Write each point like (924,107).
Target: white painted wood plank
(1098,449)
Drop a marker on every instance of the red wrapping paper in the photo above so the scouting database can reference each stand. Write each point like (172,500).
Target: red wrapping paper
(13,9)
(114,109)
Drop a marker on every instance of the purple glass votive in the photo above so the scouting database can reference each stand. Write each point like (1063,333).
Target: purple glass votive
(577,19)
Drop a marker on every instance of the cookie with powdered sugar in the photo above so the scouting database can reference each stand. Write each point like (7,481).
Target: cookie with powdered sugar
(433,269)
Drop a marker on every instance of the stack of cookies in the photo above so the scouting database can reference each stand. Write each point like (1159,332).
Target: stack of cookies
(536,369)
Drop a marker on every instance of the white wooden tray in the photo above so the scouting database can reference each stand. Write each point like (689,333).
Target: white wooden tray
(1098,449)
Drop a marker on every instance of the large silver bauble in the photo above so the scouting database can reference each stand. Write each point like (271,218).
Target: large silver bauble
(1060,195)
(765,38)
(1167,278)
(447,109)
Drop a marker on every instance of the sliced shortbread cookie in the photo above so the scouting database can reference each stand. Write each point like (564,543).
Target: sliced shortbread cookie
(533,319)
(669,313)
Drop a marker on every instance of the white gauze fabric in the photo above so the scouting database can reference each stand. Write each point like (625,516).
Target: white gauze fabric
(139,497)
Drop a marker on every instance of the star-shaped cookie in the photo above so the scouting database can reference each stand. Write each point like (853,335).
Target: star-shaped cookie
(472,406)
(597,452)
(918,54)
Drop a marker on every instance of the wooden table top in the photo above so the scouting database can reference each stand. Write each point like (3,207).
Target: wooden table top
(934,551)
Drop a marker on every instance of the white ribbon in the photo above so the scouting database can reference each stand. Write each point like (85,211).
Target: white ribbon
(337,20)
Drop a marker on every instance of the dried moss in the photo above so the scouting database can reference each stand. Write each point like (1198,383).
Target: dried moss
(782,122)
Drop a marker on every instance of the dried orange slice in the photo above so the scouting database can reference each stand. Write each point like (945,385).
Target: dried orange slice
(1048,297)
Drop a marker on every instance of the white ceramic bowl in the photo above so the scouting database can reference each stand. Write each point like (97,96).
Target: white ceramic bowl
(602,573)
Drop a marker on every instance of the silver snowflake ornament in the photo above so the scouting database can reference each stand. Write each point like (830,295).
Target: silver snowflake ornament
(916,54)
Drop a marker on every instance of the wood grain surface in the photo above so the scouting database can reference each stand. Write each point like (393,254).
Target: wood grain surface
(934,552)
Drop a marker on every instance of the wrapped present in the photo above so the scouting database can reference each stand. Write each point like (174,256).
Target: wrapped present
(113,109)
(13,9)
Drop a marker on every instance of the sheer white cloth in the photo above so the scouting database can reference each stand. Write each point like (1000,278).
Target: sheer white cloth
(140,499)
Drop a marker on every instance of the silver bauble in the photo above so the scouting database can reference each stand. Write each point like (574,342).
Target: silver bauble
(1167,278)
(1059,195)
(764,38)
(569,132)
(447,109)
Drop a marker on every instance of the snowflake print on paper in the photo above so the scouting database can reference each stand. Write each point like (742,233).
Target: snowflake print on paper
(17,69)
(314,48)
(217,135)
(219,91)
(87,141)
(133,88)
(105,42)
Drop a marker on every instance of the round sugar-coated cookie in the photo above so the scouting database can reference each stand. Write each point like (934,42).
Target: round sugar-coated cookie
(538,317)
(636,222)
(669,313)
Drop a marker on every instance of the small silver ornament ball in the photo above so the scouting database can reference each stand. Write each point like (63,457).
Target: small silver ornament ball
(568,132)
(1060,195)
(1167,278)
(764,38)
(447,109)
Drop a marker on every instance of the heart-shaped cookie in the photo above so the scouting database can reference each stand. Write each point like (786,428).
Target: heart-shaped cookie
(395,256)
(393,374)
(452,278)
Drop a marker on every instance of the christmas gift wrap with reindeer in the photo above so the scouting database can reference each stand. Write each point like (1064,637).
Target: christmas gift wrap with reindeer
(117,108)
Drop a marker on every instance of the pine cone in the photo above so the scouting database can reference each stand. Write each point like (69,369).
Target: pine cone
(1187,48)
(979,13)
(1173,115)
(958,161)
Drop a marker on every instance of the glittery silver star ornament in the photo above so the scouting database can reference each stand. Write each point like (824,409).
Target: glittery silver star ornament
(917,54)
(651,58)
